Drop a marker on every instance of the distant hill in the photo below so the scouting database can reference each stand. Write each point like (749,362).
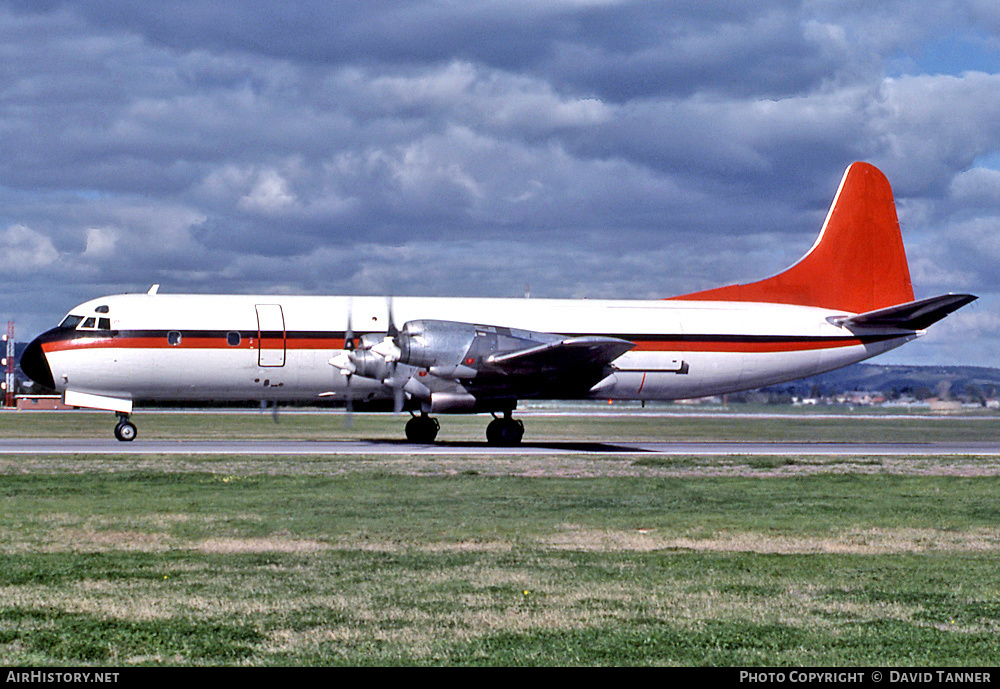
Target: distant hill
(918,381)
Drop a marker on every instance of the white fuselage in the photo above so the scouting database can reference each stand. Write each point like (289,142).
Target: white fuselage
(254,347)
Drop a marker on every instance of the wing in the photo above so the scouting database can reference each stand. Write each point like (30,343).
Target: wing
(569,366)
(484,366)
(564,357)
(498,363)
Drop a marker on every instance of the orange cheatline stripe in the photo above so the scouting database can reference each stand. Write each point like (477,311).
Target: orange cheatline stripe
(737,346)
(706,343)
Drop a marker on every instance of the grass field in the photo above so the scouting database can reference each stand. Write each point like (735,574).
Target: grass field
(592,424)
(587,559)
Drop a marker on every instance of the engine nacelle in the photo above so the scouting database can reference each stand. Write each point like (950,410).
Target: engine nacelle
(428,343)
(446,349)
(460,350)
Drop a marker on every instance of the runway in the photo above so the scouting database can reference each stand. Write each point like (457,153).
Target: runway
(66,446)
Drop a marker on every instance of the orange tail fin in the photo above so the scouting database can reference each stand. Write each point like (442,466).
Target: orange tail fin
(857,264)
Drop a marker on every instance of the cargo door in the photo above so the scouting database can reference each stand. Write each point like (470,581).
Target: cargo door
(270,335)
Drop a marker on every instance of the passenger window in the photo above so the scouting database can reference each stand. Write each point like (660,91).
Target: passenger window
(173,338)
(233,339)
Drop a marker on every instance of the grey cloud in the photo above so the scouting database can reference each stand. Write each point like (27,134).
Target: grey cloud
(584,148)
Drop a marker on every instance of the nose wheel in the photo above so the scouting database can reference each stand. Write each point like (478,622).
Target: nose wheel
(125,431)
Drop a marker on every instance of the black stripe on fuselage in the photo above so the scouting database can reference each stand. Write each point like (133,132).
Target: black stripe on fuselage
(63,335)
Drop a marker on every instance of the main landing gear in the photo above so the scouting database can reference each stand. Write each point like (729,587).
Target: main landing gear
(125,430)
(503,432)
(422,429)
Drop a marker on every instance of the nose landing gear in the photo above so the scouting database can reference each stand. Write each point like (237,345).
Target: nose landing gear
(125,431)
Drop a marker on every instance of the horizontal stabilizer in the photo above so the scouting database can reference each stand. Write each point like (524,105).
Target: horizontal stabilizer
(914,315)
(563,355)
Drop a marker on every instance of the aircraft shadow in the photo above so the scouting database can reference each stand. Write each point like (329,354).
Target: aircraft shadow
(565,446)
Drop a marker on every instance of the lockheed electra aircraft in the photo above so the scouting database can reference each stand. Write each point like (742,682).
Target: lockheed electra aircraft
(849,298)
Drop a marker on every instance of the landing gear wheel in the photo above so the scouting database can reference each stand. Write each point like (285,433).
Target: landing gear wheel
(126,431)
(505,432)
(422,429)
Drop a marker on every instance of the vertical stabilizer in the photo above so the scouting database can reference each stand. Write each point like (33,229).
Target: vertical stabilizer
(857,264)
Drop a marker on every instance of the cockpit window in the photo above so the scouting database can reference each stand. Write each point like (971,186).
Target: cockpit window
(101,309)
(104,324)
(71,321)
(89,323)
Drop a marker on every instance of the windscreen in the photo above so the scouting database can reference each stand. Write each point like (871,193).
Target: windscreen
(70,321)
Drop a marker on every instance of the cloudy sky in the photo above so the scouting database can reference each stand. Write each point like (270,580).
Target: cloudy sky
(584,148)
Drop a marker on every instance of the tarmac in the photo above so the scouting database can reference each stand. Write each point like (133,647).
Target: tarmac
(107,446)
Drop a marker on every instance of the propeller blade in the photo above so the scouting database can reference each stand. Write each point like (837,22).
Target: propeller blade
(398,399)
(350,368)
(344,362)
(391,330)
(349,410)
(349,333)
(389,350)
(264,404)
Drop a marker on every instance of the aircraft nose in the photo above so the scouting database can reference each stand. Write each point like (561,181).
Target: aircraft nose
(35,365)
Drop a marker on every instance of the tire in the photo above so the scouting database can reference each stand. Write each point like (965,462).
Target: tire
(505,432)
(126,431)
(422,429)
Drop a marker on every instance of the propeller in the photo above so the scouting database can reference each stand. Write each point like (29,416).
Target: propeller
(379,361)
(264,404)
(344,362)
(349,347)
(389,350)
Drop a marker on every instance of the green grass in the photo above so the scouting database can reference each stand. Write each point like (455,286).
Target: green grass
(148,568)
(122,560)
(635,425)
